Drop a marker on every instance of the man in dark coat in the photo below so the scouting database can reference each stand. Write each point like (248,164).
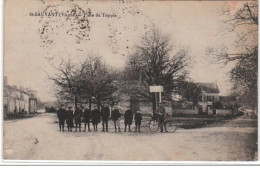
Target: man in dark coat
(87,118)
(128,119)
(69,119)
(95,118)
(115,116)
(161,112)
(105,112)
(77,117)
(61,113)
(138,120)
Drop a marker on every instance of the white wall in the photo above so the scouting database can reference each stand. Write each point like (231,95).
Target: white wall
(33,106)
(224,112)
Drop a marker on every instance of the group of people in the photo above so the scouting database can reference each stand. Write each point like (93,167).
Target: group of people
(95,117)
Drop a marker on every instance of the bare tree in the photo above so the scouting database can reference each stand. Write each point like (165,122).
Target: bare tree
(97,81)
(152,64)
(90,81)
(245,71)
(67,87)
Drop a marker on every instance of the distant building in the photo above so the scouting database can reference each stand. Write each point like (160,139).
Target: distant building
(32,105)
(18,101)
(209,95)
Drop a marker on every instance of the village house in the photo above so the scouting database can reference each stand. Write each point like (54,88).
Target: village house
(209,95)
(208,102)
(32,103)
(18,100)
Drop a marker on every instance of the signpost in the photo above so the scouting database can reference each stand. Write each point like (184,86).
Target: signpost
(157,89)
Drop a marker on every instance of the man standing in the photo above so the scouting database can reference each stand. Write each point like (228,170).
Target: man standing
(95,118)
(128,119)
(61,113)
(77,117)
(160,112)
(70,119)
(87,118)
(138,120)
(115,116)
(105,115)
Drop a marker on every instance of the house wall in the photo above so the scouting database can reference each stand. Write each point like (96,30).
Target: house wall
(205,103)
(16,101)
(33,106)
(11,106)
(224,112)
(26,103)
(13,102)
(205,95)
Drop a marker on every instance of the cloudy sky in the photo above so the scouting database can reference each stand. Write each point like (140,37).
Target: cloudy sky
(193,25)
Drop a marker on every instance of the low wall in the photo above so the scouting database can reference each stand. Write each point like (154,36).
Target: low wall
(224,112)
(185,111)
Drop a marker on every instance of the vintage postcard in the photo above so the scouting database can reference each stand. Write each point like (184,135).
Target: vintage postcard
(130,81)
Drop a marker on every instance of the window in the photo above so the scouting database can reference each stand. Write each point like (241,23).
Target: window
(210,98)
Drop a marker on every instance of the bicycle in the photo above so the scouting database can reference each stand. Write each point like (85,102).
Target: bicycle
(171,125)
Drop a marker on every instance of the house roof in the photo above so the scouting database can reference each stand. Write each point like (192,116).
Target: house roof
(209,87)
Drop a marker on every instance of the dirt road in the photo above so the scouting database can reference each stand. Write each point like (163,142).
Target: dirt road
(38,138)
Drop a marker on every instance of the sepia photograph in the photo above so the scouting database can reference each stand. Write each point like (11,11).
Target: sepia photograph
(120,80)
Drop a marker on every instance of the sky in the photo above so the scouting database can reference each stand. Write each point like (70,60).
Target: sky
(192,25)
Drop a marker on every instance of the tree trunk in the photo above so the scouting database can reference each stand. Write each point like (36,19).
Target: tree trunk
(76,102)
(89,103)
(99,104)
(154,103)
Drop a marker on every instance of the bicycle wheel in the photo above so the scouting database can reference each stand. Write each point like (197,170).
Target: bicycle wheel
(171,126)
(153,125)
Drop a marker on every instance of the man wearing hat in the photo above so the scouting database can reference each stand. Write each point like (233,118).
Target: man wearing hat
(61,113)
(128,117)
(77,115)
(105,112)
(115,116)
(69,119)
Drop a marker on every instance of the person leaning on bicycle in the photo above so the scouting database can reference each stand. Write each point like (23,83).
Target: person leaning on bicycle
(160,114)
